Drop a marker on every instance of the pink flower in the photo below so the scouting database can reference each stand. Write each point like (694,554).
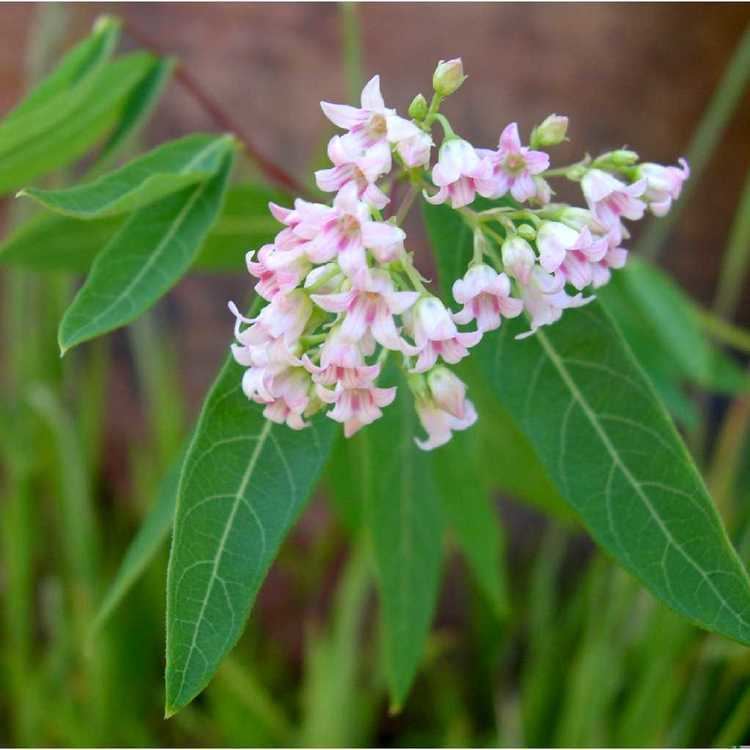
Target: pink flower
(512,167)
(415,151)
(519,258)
(369,306)
(362,169)
(615,257)
(342,361)
(278,272)
(448,391)
(609,199)
(356,407)
(290,390)
(372,123)
(345,230)
(457,173)
(663,185)
(568,253)
(436,335)
(485,295)
(440,424)
(544,299)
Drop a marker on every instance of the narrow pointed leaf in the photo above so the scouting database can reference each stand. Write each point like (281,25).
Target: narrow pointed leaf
(46,98)
(137,109)
(146,257)
(36,144)
(54,242)
(610,447)
(243,484)
(161,172)
(404,519)
(470,514)
(145,545)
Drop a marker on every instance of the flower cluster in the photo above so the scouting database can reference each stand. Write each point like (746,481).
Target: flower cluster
(343,294)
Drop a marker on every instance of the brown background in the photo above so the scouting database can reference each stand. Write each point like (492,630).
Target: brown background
(625,74)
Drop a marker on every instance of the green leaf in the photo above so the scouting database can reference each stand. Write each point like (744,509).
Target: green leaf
(83,60)
(40,142)
(470,514)
(243,484)
(146,543)
(161,172)
(137,109)
(403,514)
(53,242)
(673,318)
(611,449)
(146,257)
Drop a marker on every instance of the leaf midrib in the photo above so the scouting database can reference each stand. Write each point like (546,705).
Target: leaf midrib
(156,255)
(222,542)
(559,364)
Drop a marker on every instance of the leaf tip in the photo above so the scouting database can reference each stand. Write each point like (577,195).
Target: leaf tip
(395,708)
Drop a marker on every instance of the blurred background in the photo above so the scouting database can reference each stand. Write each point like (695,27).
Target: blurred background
(637,75)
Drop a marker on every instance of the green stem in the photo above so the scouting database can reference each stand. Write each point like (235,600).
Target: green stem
(736,258)
(352,42)
(406,205)
(725,332)
(432,111)
(712,124)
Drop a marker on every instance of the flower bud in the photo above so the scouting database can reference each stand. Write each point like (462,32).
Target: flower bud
(518,258)
(448,76)
(527,232)
(550,133)
(622,157)
(418,108)
(448,391)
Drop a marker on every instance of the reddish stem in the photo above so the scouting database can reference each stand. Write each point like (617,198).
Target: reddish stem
(272,171)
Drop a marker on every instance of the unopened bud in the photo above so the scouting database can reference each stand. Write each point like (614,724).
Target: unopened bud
(448,391)
(526,231)
(622,157)
(550,133)
(448,76)
(518,258)
(418,108)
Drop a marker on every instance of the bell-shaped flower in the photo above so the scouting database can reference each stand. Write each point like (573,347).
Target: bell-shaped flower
(457,173)
(277,273)
(663,185)
(369,306)
(356,407)
(448,391)
(439,424)
(346,230)
(519,258)
(436,334)
(615,257)
(512,168)
(610,199)
(342,361)
(362,169)
(544,299)
(371,123)
(415,151)
(485,296)
(568,253)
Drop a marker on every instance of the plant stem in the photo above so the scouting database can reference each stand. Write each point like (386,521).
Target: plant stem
(406,204)
(352,39)
(736,258)
(727,455)
(725,332)
(710,128)
(270,169)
